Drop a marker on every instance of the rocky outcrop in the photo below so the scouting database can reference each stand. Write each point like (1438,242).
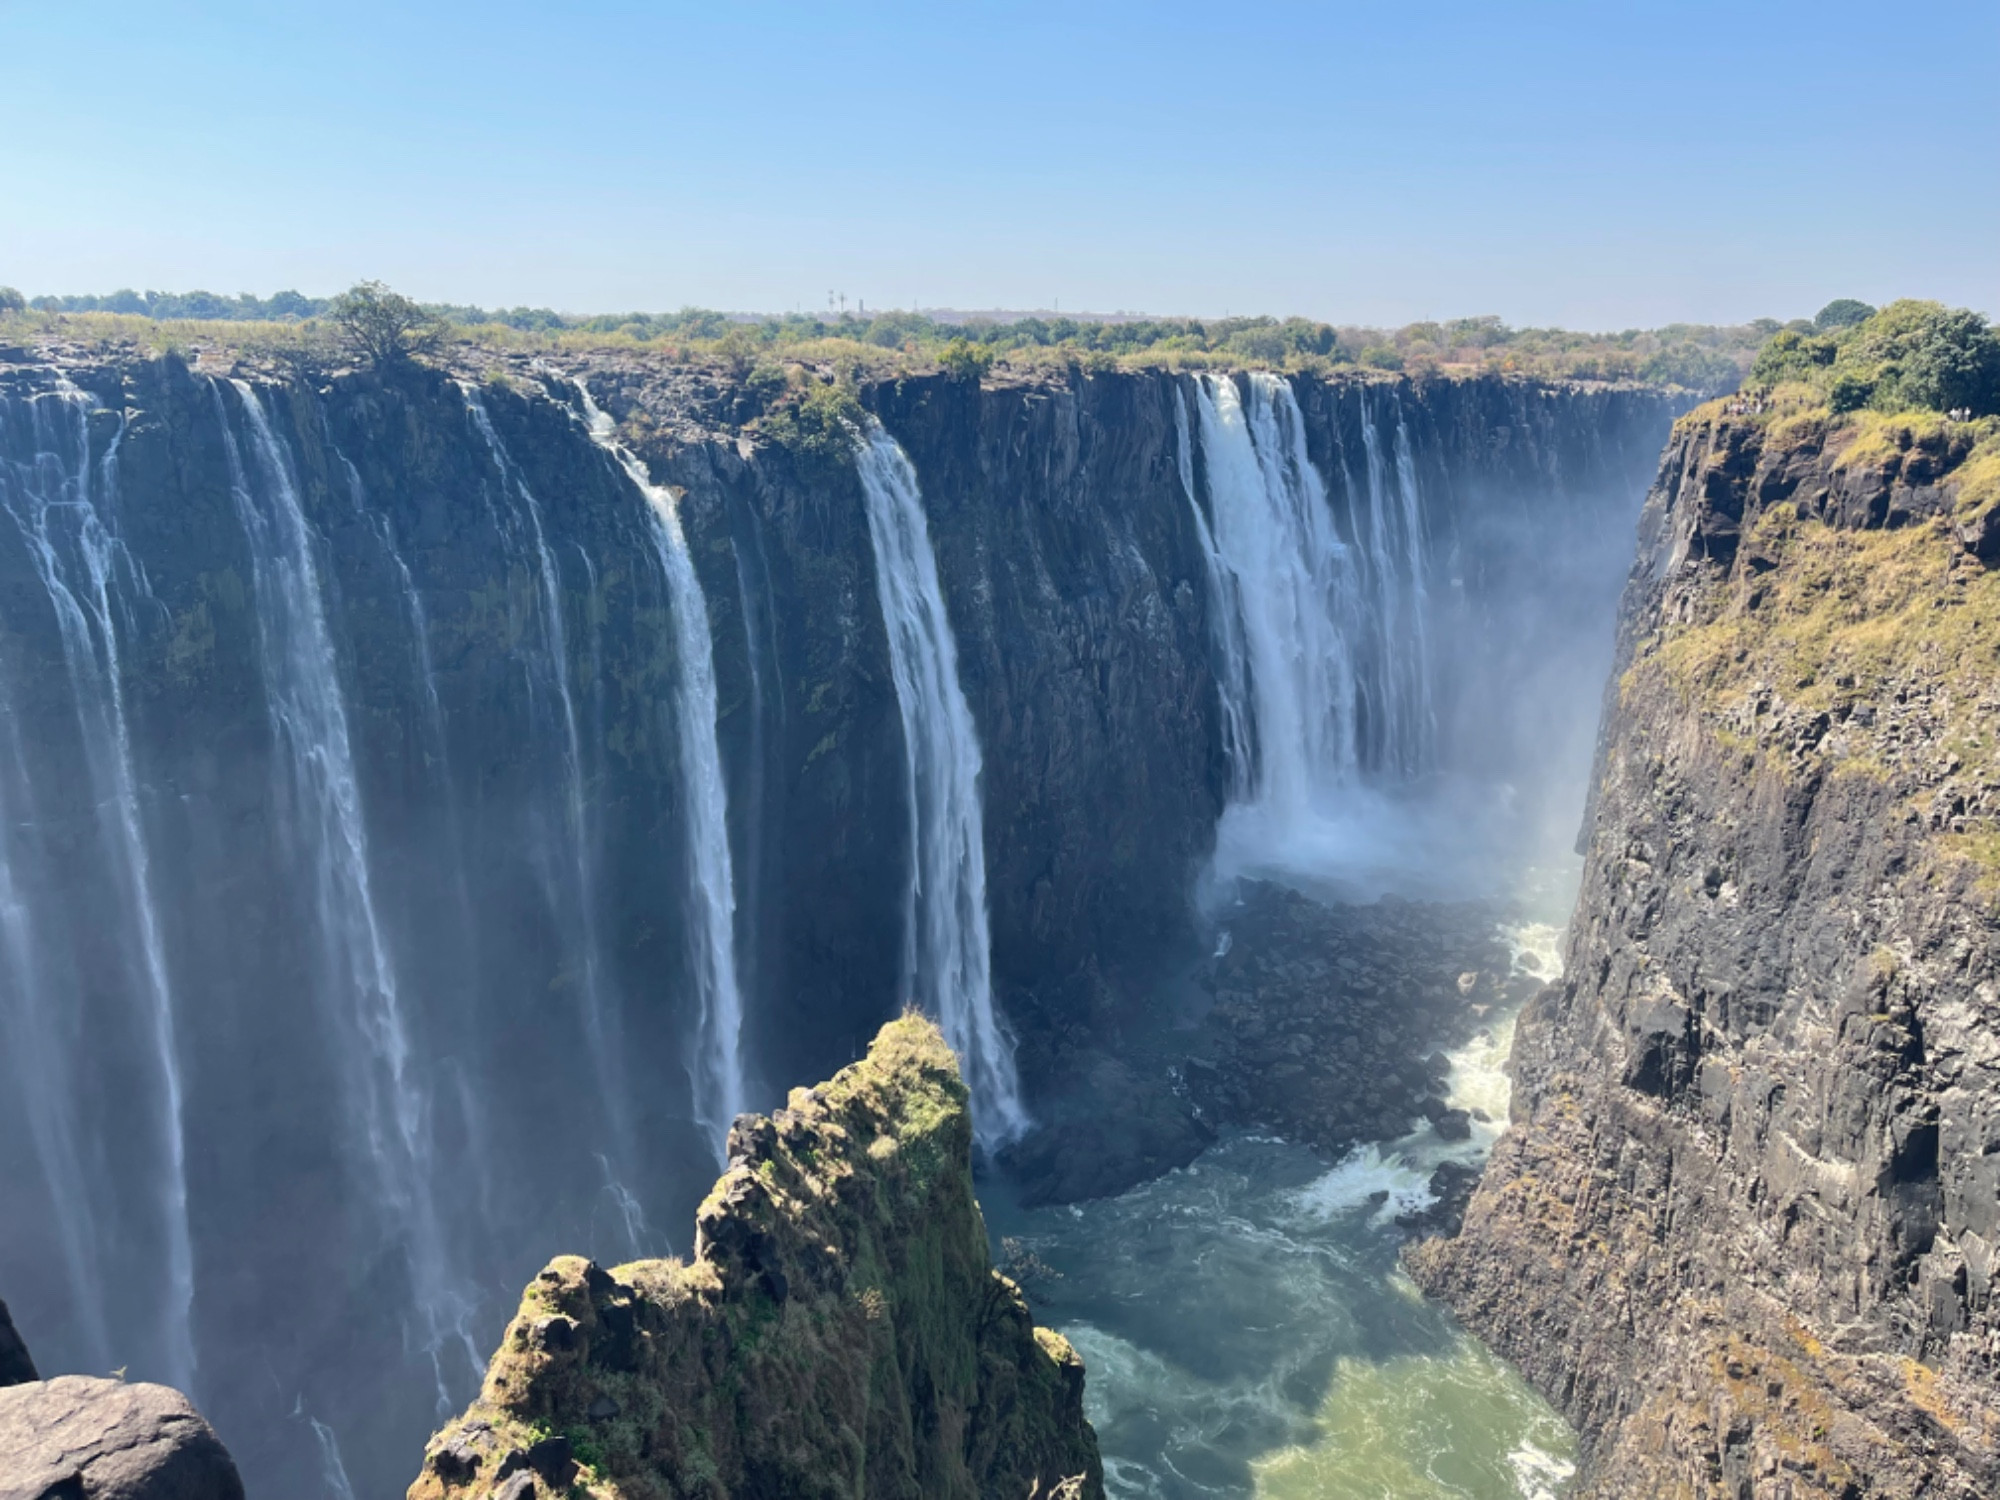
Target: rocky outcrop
(1743,1226)
(838,1331)
(80,1438)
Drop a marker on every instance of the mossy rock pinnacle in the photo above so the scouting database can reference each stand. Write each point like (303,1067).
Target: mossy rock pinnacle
(839,1331)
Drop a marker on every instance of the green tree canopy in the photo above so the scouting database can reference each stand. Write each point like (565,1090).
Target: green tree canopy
(384,327)
(1842,312)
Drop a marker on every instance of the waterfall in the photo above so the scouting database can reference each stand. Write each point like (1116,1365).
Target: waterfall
(1320,637)
(717,1068)
(1292,589)
(573,897)
(946,944)
(53,496)
(320,797)
(1403,728)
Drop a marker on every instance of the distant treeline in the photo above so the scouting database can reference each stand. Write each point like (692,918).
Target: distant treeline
(1698,356)
(279,307)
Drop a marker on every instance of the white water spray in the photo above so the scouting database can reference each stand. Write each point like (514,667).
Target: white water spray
(320,792)
(717,1067)
(54,499)
(1320,643)
(947,943)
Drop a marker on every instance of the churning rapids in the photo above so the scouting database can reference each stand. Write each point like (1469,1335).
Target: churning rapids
(1248,1332)
(429,814)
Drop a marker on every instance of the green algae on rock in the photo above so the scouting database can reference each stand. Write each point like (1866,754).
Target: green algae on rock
(839,1330)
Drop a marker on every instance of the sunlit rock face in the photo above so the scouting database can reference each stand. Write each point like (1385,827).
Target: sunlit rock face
(1741,1229)
(352,958)
(838,1330)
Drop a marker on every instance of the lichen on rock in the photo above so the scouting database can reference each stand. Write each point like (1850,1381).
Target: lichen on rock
(839,1330)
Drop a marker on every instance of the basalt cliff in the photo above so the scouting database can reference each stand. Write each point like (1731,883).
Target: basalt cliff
(1743,1226)
(348,791)
(838,1331)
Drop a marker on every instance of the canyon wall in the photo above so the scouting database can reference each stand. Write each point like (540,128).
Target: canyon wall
(1742,1226)
(347,914)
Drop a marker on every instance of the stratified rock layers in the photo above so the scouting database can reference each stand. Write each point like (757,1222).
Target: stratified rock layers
(839,1330)
(1743,1226)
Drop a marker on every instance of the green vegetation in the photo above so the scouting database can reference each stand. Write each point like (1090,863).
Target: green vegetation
(818,422)
(1694,356)
(1910,355)
(11,301)
(840,1320)
(383,327)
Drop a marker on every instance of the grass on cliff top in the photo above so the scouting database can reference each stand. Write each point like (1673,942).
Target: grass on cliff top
(1844,616)
(1794,415)
(1856,617)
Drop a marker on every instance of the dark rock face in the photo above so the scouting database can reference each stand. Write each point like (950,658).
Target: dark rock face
(838,1331)
(80,1438)
(1742,1228)
(1328,1019)
(15,1365)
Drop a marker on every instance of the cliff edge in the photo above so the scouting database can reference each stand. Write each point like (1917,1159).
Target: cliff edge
(839,1330)
(1743,1227)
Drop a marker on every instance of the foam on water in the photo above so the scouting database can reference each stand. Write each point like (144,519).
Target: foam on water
(1248,1332)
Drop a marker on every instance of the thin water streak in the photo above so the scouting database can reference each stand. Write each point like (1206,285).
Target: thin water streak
(947,945)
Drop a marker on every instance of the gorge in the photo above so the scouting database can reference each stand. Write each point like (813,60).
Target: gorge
(438,801)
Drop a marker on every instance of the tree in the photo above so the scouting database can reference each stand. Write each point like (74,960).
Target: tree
(12,301)
(1842,312)
(384,327)
(1927,354)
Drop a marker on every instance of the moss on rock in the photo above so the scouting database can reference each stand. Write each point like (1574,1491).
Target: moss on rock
(838,1332)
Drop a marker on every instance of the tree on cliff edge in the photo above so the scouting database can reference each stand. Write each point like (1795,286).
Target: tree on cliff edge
(384,327)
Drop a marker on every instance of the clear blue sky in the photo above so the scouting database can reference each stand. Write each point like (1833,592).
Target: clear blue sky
(1597,165)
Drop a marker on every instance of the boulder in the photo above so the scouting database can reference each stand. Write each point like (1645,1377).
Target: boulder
(78,1437)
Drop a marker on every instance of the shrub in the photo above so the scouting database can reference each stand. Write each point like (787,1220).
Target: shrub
(1791,355)
(1849,391)
(819,429)
(964,360)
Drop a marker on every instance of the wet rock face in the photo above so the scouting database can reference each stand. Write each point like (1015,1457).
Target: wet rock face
(1743,1226)
(15,1365)
(80,1438)
(839,1330)
(1329,1021)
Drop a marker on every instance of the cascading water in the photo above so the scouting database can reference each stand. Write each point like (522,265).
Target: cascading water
(1405,726)
(717,1068)
(57,494)
(572,894)
(357,982)
(1320,636)
(947,945)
